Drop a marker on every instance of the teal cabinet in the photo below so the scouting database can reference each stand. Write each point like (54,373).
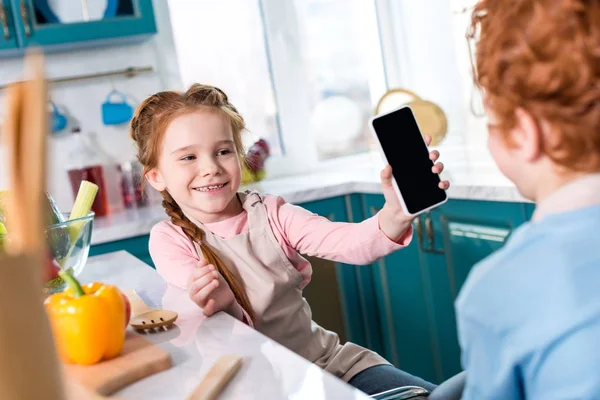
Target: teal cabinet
(137,246)
(455,237)
(416,287)
(34,23)
(529,209)
(8,34)
(355,283)
(404,306)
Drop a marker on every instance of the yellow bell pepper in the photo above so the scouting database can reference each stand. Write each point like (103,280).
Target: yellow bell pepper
(88,321)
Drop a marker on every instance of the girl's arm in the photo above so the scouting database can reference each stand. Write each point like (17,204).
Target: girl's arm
(173,254)
(352,243)
(362,243)
(175,257)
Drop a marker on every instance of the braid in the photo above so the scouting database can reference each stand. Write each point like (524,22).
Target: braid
(197,235)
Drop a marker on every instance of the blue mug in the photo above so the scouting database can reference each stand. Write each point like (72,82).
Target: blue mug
(59,121)
(115,113)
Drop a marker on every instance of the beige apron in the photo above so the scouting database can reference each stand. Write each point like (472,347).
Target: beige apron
(274,289)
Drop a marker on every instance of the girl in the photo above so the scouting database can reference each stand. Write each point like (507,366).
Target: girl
(238,252)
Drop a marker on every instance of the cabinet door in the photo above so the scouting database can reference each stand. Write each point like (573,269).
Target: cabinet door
(344,290)
(73,23)
(8,35)
(529,209)
(405,307)
(457,236)
(136,246)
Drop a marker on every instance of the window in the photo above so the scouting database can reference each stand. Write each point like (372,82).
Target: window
(227,49)
(423,39)
(305,74)
(476,122)
(339,48)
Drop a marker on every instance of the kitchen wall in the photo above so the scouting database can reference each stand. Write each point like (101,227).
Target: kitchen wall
(83,100)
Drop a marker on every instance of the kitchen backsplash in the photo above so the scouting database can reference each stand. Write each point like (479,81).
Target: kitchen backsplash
(83,100)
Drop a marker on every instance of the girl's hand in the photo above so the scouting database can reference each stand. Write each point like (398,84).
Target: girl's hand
(208,289)
(392,219)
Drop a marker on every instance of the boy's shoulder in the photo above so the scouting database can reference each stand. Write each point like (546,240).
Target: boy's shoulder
(557,243)
(506,275)
(519,246)
(533,277)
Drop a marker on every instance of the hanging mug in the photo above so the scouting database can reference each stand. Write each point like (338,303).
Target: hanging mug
(116,112)
(59,120)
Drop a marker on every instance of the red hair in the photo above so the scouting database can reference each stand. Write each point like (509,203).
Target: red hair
(543,56)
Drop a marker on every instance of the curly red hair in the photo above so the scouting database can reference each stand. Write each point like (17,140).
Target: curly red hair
(544,57)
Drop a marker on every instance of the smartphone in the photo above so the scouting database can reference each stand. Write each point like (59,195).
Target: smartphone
(403,147)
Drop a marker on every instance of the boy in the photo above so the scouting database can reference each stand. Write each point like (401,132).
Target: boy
(529,315)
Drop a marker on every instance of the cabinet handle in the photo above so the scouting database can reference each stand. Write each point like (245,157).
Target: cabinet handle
(429,232)
(25,18)
(419,228)
(4,21)
(431,236)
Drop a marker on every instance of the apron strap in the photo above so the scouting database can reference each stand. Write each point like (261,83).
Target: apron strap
(249,198)
(257,212)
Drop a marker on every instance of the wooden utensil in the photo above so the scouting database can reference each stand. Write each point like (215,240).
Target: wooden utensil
(29,368)
(217,378)
(25,135)
(140,358)
(145,317)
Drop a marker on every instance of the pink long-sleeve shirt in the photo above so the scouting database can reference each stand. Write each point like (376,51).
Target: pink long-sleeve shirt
(296,229)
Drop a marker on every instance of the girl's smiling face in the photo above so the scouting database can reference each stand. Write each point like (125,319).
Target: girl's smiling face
(199,165)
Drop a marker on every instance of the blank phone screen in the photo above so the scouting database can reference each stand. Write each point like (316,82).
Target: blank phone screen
(406,152)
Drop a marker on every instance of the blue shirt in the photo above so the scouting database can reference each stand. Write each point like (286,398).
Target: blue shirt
(529,315)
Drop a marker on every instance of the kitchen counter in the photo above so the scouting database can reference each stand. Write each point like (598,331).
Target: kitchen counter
(472,177)
(269,371)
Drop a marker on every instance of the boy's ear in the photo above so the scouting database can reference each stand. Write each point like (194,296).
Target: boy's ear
(528,135)
(155,179)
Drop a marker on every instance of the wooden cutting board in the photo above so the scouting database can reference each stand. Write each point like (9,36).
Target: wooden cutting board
(139,359)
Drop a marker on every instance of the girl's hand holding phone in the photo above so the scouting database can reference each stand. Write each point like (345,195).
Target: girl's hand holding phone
(392,219)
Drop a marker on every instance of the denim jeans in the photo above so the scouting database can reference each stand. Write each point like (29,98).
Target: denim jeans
(381,378)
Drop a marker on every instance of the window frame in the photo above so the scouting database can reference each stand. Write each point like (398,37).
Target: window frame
(282,41)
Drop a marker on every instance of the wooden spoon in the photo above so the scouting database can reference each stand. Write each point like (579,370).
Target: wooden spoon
(215,381)
(145,317)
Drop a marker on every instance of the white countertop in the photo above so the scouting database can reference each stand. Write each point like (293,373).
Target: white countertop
(471,174)
(269,371)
